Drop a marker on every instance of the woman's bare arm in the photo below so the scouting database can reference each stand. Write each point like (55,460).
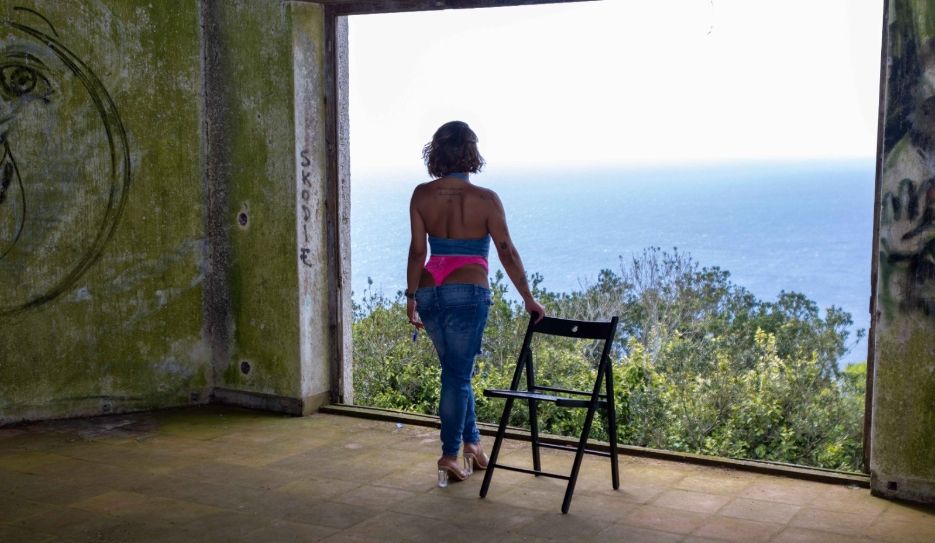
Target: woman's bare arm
(509,255)
(417,252)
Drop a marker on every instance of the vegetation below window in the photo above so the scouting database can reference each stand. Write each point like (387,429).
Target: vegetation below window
(700,364)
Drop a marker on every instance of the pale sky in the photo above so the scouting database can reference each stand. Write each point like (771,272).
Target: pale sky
(620,82)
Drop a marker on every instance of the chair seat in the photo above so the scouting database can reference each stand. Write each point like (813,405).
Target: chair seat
(525,395)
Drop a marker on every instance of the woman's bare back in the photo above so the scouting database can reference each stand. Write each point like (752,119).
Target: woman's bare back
(455,209)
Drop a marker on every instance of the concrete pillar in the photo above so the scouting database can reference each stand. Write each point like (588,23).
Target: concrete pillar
(268,316)
(311,203)
(902,439)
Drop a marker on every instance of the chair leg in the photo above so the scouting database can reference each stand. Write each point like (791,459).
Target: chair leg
(612,431)
(576,466)
(495,452)
(533,414)
(534,434)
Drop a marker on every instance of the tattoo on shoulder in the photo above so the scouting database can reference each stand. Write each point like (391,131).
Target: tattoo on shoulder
(504,246)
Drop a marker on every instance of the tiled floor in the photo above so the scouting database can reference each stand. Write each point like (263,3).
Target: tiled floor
(220,474)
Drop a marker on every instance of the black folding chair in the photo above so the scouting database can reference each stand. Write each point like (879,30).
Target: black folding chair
(561,397)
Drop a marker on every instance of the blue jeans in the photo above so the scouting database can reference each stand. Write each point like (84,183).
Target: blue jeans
(454,316)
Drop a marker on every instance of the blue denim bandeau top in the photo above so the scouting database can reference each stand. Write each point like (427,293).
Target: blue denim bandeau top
(460,247)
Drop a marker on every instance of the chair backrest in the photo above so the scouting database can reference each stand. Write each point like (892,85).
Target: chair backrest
(570,328)
(576,329)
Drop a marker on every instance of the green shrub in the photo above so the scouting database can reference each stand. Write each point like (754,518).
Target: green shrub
(700,365)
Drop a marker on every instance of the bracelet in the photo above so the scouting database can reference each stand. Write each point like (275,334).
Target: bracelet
(410,295)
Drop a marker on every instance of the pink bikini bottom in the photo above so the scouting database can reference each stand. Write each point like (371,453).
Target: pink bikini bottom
(441,266)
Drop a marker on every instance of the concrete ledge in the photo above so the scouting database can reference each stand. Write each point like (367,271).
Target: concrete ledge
(258,400)
(769,468)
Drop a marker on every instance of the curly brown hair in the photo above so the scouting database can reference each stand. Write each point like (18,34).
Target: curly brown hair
(453,149)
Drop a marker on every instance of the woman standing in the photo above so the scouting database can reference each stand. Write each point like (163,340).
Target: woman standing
(449,295)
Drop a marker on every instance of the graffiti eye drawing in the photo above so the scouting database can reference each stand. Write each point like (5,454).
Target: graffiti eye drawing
(64,164)
(19,80)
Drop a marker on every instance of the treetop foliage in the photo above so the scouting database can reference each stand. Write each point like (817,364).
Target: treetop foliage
(700,364)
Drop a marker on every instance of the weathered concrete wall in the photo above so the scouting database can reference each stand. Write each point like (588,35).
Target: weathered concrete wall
(311,200)
(265,183)
(903,421)
(101,222)
(346,389)
(162,197)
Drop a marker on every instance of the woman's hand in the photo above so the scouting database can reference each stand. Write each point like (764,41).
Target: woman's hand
(535,308)
(413,314)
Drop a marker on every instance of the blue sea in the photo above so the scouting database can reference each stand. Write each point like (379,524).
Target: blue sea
(804,227)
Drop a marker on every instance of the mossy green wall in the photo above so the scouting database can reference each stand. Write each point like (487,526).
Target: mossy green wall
(260,154)
(101,224)
(903,418)
(154,161)
(263,296)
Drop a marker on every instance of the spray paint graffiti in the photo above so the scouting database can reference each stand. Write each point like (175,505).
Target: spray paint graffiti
(907,214)
(907,239)
(65,165)
(306,195)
